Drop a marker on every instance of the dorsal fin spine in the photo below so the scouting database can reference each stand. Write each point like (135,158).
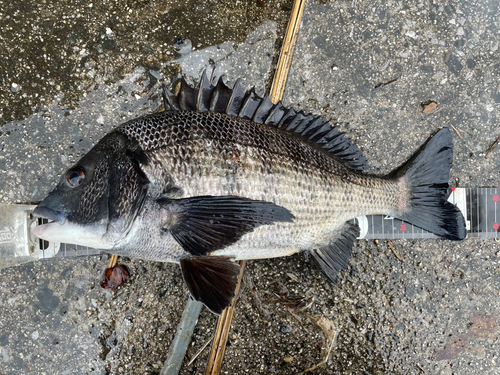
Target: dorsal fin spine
(237,95)
(275,115)
(248,105)
(262,112)
(204,93)
(187,96)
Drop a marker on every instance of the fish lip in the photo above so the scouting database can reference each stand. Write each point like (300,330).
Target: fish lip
(57,218)
(39,230)
(48,213)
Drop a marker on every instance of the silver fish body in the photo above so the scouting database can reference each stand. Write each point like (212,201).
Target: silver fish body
(227,175)
(220,155)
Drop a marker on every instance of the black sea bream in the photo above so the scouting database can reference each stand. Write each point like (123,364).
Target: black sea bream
(223,175)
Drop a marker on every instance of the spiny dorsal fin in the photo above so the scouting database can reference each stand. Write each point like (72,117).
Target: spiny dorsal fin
(248,105)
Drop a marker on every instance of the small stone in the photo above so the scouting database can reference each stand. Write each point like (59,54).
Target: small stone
(411,34)
(287,359)
(285,328)
(15,87)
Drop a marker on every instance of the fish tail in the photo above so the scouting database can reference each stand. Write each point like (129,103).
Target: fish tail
(423,182)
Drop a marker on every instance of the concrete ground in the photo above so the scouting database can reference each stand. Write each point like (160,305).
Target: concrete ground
(73,71)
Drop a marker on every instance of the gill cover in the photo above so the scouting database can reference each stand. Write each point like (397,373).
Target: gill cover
(106,187)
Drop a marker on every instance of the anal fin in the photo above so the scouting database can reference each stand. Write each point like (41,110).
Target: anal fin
(333,258)
(211,280)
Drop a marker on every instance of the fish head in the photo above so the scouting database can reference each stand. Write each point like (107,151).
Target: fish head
(97,199)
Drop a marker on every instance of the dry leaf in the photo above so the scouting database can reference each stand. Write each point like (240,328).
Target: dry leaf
(328,327)
(429,106)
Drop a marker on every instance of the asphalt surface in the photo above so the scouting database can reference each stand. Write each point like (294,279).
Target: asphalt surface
(74,71)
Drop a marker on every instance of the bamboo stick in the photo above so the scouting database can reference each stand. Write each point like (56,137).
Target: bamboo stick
(113,260)
(214,364)
(286,54)
(222,331)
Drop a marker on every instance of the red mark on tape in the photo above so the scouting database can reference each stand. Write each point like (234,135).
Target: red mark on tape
(496,226)
(495,198)
(402,227)
(453,189)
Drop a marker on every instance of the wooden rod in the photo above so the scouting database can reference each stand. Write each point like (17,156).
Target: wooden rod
(214,364)
(286,54)
(113,260)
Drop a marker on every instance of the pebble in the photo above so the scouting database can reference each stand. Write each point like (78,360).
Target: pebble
(15,87)
(285,328)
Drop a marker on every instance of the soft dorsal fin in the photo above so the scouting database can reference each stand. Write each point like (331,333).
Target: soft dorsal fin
(248,105)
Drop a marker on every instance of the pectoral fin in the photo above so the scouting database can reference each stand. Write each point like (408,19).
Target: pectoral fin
(208,223)
(333,258)
(211,280)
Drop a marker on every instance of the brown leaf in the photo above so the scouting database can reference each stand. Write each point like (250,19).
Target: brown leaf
(327,326)
(115,277)
(279,288)
(285,297)
(429,106)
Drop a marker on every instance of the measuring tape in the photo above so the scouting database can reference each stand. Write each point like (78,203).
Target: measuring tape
(18,245)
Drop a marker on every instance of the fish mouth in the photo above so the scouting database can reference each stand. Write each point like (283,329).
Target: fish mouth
(56,218)
(60,229)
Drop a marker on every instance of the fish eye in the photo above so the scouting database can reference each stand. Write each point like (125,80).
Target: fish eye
(75,177)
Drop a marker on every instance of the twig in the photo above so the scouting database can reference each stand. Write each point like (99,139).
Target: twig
(394,250)
(492,146)
(261,3)
(439,110)
(421,369)
(295,316)
(200,351)
(383,84)
(458,133)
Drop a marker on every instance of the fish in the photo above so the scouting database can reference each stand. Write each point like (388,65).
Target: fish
(223,174)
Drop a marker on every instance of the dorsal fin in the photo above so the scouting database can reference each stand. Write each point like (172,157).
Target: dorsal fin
(248,105)
(204,93)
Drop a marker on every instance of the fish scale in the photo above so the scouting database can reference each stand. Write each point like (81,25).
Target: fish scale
(222,175)
(272,165)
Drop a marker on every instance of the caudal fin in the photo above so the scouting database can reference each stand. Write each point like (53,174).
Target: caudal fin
(426,177)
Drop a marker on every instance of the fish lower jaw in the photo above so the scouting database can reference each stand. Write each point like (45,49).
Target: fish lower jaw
(83,235)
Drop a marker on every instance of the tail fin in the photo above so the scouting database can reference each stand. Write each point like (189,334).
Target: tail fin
(426,176)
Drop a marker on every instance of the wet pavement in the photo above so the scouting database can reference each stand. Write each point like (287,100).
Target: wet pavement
(75,71)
